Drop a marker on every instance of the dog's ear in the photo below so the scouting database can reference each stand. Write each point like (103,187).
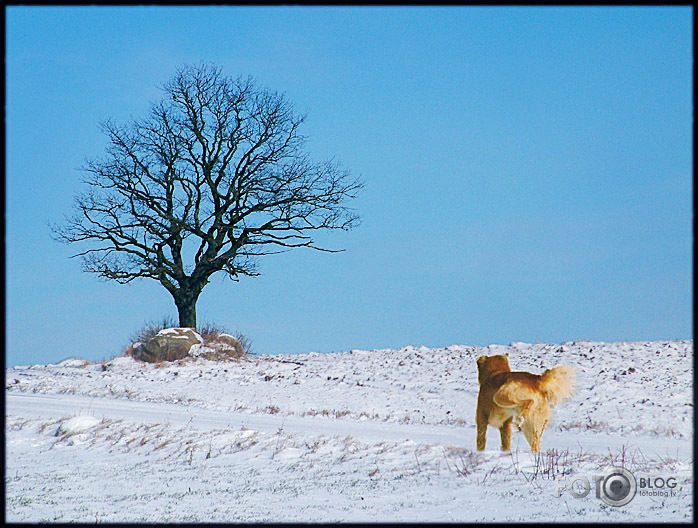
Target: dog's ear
(506,354)
(481,360)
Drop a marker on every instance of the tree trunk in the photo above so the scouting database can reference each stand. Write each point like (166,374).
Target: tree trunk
(186,307)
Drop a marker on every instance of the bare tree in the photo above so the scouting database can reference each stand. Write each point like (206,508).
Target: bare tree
(214,177)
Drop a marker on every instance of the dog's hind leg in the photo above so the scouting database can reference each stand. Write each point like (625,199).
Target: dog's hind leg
(505,433)
(536,424)
(535,443)
(532,438)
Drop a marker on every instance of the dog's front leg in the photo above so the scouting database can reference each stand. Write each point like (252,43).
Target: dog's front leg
(481,432)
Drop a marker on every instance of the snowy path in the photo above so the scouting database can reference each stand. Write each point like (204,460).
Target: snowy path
(66,406)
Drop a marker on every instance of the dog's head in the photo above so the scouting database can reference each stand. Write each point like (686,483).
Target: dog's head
(488,365)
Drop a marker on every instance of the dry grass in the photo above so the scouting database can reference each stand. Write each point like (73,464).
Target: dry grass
(51,423)
(548,465)
(556,462)
(590,425)
(163,444)
(339,414)
(461,460)
(599,426)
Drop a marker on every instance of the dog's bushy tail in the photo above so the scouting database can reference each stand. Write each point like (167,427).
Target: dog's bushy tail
(558,383)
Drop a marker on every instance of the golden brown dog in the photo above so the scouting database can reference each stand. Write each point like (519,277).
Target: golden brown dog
(520,397)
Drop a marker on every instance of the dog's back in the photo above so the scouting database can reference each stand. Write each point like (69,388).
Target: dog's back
(495,377)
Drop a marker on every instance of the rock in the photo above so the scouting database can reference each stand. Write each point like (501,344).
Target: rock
(169,344)
(224,344)
(226,341)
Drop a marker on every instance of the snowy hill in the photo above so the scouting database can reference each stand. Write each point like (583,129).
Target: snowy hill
(381,435)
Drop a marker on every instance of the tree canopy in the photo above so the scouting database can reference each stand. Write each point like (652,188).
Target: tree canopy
(213,177)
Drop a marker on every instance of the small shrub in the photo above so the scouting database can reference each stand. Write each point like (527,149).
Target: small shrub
(151,328)
(209,328)
(148,331)
(246,343)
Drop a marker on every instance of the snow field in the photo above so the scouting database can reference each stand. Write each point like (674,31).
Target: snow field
(358,436)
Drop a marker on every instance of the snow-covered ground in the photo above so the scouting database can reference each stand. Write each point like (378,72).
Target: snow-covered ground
(381,435)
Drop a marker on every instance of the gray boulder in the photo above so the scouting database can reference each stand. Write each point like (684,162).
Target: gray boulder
(218,345)
(228,343)
(169,344)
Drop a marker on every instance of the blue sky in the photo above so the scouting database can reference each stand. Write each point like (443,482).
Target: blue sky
(528,172)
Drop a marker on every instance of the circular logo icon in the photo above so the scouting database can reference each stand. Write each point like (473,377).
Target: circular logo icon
(618,487)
